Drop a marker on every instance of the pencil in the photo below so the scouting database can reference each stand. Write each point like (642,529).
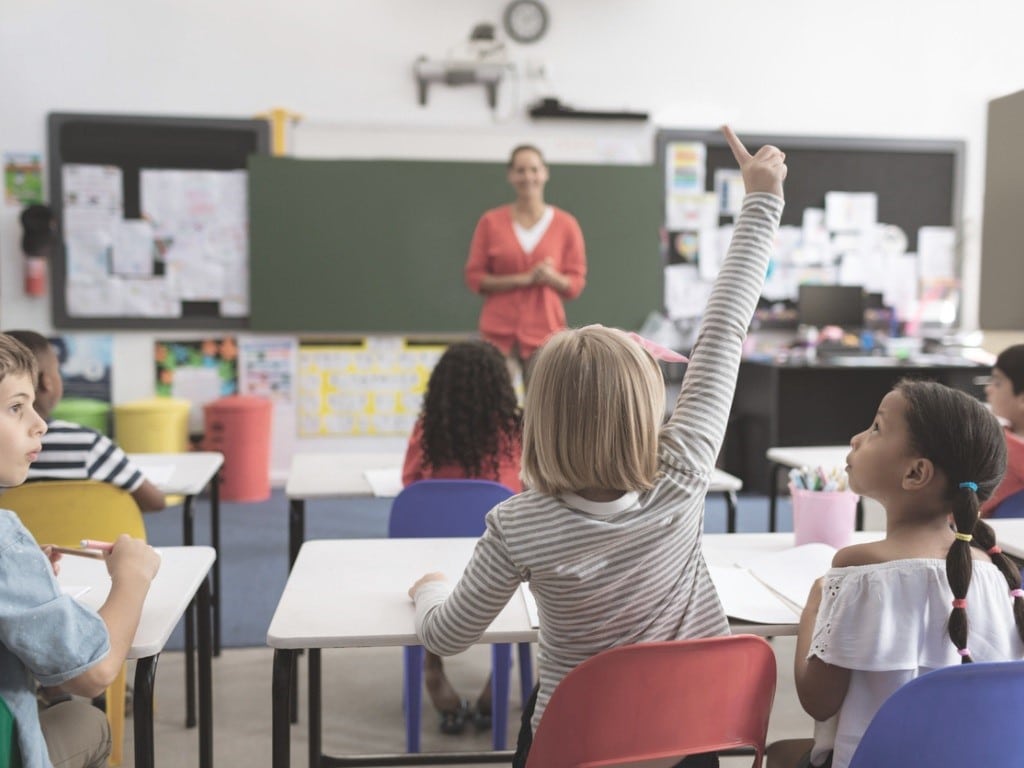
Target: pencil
(95,554)
(102,546)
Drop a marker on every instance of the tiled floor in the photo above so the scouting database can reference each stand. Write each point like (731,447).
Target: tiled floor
(362,707)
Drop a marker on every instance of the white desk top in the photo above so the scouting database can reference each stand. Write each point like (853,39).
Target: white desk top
(191,472)
(335,475)
(354,593)
(1009,535)
(810,456)
(340,475)
(182,570)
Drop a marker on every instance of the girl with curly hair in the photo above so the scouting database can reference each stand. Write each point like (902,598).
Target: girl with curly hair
(470,426)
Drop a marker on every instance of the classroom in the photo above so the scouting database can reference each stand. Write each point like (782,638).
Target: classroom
(379,97)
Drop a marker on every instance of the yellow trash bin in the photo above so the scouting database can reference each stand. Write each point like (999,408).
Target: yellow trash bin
(152,425)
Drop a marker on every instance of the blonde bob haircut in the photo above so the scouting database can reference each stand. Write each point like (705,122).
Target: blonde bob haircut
(592,415)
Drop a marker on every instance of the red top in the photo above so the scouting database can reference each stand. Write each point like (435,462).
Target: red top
(529,315)
(1013,480)
(508,463)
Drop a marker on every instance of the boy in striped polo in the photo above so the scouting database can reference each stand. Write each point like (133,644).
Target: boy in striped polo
(71,451)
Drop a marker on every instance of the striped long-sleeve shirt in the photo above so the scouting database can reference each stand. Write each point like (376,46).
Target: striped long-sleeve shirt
(73,452)
(606,574)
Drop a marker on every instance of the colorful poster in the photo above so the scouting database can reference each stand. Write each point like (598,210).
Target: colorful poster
(23,178)
(199,371)
(368,387)
(266,367)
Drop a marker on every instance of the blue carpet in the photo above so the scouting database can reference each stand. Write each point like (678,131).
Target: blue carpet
(254,547)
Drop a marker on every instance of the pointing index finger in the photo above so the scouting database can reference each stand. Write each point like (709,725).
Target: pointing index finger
(738,150)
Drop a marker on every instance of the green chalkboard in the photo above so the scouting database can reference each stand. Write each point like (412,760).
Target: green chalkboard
(380,245)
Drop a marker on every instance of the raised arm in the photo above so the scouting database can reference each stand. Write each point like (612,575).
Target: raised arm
(694,433)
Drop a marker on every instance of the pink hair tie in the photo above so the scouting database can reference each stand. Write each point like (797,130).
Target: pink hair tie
(1017,593)
(995,550)
(960,603)
(964,651)
(657,351)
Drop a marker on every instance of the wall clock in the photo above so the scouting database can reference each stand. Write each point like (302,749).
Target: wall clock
(525,21)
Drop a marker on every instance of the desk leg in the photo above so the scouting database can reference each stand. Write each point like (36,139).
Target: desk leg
(204,606)
(188,539)
(315,733)
(142,711)
(730,511)
(296,535)
(296,529)
(215,597)
(773,496)
(281,693)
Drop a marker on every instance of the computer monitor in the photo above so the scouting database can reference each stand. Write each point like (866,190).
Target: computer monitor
(821,305)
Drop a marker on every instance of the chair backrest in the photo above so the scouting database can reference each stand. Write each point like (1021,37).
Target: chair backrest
(1011,506)
(64,512)
(659,701)
(444,508)
(967,714)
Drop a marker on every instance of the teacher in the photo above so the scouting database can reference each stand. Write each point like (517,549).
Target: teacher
(526,259)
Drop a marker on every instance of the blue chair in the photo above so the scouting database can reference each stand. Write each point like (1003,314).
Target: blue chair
(454,508)
(967,714)
(1011,506)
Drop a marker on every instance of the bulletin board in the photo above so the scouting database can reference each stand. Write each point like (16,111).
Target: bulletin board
(152,216)
(907,246)
(919,182)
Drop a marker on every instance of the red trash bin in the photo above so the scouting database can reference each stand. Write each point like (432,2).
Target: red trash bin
(239,427)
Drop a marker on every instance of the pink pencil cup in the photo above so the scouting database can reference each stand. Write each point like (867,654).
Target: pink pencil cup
(825,516)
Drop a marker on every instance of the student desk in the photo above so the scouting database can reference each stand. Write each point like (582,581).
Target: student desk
(1009,535)
(191,474)
(340,476)
(180,587)
(781,403)
(366,582)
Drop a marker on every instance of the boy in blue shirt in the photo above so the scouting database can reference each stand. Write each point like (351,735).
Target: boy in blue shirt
(45,635)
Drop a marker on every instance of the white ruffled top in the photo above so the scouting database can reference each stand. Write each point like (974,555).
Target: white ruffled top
(887,623)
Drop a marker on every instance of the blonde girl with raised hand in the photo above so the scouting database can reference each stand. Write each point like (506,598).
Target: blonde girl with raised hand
(609,533)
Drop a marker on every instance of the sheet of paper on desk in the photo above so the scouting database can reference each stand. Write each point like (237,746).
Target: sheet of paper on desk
(791,572)
(747,599)
(386,483)
(531,605)
(158,474)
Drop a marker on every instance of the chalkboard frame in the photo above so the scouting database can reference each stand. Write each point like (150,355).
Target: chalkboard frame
(132,142)
(797,188)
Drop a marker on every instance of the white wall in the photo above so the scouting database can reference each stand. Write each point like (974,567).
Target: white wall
(913,69)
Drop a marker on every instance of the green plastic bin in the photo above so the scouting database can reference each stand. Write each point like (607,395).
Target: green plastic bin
(94,414)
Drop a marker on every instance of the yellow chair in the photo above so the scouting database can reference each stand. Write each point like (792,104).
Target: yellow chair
(64,512)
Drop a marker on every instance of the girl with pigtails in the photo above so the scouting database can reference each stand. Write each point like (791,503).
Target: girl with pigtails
(936,591)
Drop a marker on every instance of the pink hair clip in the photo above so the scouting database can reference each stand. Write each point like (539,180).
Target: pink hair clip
(1017,593)
(964,651)
(657,351)
(995,550)
(960,602)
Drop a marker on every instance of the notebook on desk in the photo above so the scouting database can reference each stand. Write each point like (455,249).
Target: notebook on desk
(771,588)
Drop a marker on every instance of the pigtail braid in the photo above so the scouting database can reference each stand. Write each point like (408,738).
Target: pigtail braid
(985,538)
(959,566)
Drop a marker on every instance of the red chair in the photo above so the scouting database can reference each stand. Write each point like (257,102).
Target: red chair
(659,701)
